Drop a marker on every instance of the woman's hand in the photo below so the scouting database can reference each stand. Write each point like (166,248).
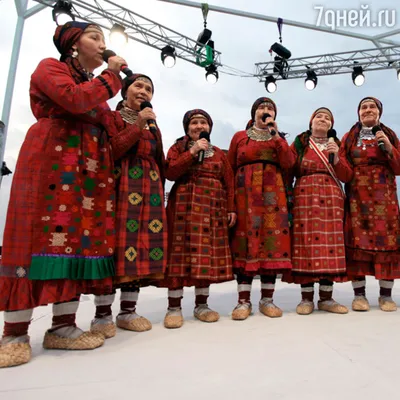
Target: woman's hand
(115,63)
(333,148)
(143,116)
(381,137)
(201,144)
(232,219)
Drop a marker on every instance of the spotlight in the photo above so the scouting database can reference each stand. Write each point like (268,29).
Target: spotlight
(281,51)
(270,84)
(168,56)
(212,74)
(358,76)
(311,80)
(62,12)
(118,36)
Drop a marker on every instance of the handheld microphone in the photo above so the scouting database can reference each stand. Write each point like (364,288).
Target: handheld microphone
(124,68)
(331,139)
(203,135)
(381,143)
(270,125)
(150,122)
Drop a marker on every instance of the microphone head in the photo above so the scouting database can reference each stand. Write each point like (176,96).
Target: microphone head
(376,129)
(204,135)
(145,104)
(332,133)
(107,54)
(265,116)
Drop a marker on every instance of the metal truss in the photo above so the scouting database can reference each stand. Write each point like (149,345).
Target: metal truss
(106,13)
(334,63)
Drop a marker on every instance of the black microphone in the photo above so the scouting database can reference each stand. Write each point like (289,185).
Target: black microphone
(381,143)
(150,122)
(331,139)
(203,135)
(269,125)
(124,68)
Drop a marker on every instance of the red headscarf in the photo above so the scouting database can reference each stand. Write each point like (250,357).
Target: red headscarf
(324,110)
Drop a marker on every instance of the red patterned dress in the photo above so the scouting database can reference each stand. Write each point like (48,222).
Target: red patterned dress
(59,235)
(318,250)
(141,221)
(198,207)
(261,240)
(372,226)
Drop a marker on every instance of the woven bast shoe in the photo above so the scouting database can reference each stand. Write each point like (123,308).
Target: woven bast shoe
(205,314)
(305,307)
(269,309)
(332,306)
(241,312)
(360,303)
(173,318)
(136,323)
(387,304)
(13,354)
(108,330)
(86,341)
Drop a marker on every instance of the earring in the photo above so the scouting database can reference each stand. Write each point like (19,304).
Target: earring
(75,53)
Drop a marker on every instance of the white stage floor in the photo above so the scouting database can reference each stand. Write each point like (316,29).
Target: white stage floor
(317,357)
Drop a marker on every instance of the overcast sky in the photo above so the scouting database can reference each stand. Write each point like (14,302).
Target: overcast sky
(242,42)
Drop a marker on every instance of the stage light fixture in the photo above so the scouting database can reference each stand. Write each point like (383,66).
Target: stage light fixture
(118,37)
(212,74)
(62,12)
(358,76)
(270,84)
(168,56)
(311,81)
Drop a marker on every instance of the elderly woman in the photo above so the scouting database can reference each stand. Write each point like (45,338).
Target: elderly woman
(318,252)
(200,211)
(141,246)
(370,153)
(261,240)
(59,235)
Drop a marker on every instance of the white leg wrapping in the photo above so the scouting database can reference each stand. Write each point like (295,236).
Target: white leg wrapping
(358,284)
(104,300)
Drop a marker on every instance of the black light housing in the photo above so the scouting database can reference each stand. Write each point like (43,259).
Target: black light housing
(398,74)
(212,74)
(312,80)
(168,56)
(358,76)
(204,36)
(62,12)
(270,84)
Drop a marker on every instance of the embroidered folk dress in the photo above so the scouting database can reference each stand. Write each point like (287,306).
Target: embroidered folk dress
(372,227)
(59,234)
(141,221)
(318,250)
(198,207)
(261,238)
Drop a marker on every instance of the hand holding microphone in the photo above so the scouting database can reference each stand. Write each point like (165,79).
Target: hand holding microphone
(383,141)
(272,127)
(332,147)
(147,116)
(115,63)
(201,146)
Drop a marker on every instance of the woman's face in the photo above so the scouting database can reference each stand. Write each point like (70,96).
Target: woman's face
(369,113)
(264,108)
(321,123)
(90,47)
(138,92)
(196,126)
